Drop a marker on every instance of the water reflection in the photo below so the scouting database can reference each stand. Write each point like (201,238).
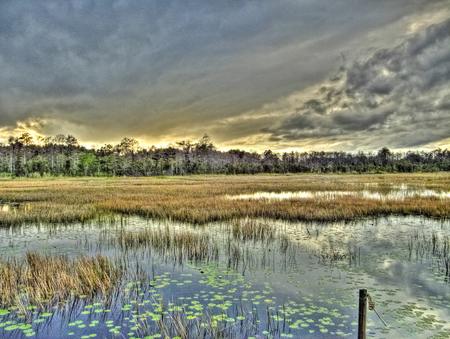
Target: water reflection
(397,193)
(304,272)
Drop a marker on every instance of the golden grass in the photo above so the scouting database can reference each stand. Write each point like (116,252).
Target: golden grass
(201,199)
(39,279)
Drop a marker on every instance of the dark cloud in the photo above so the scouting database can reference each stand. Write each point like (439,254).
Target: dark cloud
(419,64)
(301,122)
(315,105)
(152,69)
(350,121)
(398,95)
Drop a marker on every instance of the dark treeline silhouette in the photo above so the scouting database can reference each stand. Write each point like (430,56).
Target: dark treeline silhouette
(62,155)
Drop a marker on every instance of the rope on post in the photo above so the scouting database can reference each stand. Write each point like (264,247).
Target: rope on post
(372,308)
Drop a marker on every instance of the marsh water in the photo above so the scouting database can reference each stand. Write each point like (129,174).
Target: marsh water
(391,192)
(301,281)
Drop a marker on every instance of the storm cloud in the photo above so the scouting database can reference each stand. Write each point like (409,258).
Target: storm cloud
(397,97)
(250,73)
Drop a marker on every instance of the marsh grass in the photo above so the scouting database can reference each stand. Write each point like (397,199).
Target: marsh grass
(179,245)
(44,280)
(431,246)
(39,279)
(202,199)
(228,242)
(248,244)
(252,229)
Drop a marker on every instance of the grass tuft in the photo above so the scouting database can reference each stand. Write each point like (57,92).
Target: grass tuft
(38,279)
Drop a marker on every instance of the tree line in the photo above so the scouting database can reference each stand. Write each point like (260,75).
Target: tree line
(25,156)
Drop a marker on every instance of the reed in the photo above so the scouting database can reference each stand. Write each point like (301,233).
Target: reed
(434,246)
(228,242)
(179,245)
(203,199)
(252,229)
(38,279)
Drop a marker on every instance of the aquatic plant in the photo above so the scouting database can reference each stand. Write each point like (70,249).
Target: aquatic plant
(438,248)
(39,279)
(180,245)
(252,229)
(256,287)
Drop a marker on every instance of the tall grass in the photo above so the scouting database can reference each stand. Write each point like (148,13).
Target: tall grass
(251,229)
(179,245)
(203,199)
(39,279)
(45,280)
(431,246)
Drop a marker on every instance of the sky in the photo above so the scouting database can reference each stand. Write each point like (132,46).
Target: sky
(340,75)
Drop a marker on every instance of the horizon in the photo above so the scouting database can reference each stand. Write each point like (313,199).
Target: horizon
(97,147)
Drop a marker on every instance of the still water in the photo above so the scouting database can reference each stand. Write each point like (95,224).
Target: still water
(303,281)
(395,192)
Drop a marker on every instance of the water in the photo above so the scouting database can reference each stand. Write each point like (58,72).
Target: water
(396,192)
(303,285)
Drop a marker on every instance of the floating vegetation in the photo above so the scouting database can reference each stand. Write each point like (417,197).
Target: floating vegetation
(247,278)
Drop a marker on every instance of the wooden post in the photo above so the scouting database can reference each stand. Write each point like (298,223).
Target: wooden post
(362,313)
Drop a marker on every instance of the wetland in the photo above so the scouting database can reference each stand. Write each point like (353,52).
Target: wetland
(224,257)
